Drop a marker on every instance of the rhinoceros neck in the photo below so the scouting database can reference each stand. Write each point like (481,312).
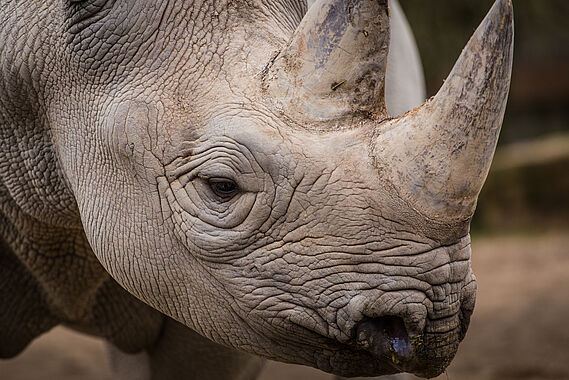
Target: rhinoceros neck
(49,276)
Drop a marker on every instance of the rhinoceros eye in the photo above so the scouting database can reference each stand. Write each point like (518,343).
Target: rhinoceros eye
(224,188)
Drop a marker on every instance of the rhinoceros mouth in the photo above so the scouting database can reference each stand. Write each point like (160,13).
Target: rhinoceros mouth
(387,338)
(384,346)
(425,355)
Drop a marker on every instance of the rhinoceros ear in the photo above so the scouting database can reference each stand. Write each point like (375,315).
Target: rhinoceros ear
(438,155)
(334,66)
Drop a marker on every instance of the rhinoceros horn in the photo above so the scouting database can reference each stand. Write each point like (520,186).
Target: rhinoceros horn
(334,66)
(437,156)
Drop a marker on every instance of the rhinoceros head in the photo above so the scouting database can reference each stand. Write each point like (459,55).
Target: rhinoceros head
(238,172)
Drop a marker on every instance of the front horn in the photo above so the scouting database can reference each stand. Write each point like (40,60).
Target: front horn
(437,156)
(334,66)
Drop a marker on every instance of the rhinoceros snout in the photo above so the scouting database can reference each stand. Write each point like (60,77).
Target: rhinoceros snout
(408,331)
(426,353)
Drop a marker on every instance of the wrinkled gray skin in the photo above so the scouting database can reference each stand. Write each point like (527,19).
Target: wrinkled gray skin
(345,244)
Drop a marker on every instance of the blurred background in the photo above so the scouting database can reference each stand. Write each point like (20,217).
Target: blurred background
(520,327)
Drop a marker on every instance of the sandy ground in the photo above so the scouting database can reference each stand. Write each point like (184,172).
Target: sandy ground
(520,328)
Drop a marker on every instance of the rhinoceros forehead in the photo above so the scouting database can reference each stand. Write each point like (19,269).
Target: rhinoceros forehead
(181,45)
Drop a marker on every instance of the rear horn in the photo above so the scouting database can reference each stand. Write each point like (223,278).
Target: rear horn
(334,66)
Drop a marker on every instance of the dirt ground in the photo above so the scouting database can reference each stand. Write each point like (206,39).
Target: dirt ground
(520,328)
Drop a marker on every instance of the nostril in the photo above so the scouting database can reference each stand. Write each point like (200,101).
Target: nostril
(385,337)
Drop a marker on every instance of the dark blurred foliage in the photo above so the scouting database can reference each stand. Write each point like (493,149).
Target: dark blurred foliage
(539,97)
(531,198)
(528,187)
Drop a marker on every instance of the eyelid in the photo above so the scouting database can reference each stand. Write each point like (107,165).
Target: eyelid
(221,179)
(217,172)
(245,181)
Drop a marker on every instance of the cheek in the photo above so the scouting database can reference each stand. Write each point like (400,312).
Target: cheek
(136,133)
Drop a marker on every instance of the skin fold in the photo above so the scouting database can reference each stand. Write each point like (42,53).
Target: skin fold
(203,185)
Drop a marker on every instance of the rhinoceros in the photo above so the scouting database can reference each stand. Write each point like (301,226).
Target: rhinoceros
(205,183)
